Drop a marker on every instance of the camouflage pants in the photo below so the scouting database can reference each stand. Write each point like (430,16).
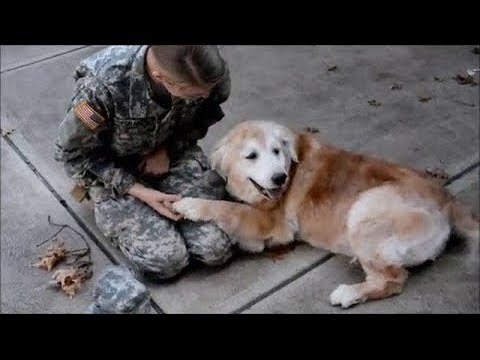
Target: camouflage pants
(155,244)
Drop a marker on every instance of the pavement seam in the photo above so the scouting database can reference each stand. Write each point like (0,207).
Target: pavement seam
(43,59)
(282,284)
(156,307)
(461,173)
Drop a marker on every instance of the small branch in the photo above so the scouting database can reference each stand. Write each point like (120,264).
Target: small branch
(51,237)
(76,250)
(75,231)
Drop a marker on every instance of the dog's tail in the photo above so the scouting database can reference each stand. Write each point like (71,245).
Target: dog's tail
(463,221)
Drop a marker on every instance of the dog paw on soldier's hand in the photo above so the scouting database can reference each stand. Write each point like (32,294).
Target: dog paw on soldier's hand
(189,208)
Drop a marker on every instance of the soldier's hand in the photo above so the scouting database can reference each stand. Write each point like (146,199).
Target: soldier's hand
(155,164)
(162,203)
(157,200)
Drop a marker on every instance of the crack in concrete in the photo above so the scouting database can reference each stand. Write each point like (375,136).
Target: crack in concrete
(43,59)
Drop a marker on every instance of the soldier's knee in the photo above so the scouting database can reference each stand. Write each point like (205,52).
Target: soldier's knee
(106,218)
(167,261)
(161,260)
(216,257)
(213,250)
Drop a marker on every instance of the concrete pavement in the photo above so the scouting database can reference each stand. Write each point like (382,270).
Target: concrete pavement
(344,91)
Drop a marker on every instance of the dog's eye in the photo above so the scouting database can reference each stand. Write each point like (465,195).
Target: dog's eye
(251,156)
(276,151)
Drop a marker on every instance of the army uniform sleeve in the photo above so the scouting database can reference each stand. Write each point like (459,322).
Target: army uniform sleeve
(209,113)
(82,141)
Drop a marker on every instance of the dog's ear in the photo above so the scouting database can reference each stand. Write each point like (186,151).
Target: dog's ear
(220,150)
(217,156)
(289,141)
(291,148)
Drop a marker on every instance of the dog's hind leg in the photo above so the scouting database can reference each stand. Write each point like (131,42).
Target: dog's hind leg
(388,232)
(381,282)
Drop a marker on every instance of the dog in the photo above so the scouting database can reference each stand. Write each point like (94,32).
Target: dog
(288,186)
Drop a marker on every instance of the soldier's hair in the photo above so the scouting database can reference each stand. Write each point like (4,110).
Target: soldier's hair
(195,64)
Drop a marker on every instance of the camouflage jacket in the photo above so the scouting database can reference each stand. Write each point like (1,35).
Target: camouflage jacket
(112,119)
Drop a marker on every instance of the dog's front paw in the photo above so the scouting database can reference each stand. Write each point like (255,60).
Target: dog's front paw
(250,246)
(190,208)
(346,296)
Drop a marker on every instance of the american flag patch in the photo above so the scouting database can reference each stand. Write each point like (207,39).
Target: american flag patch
(88,116)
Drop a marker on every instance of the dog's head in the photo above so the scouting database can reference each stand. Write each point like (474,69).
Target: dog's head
(255,158)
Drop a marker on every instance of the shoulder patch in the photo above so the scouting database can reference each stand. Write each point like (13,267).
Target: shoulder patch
(88,115)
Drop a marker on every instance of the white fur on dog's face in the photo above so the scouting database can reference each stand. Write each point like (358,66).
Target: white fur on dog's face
(250,157)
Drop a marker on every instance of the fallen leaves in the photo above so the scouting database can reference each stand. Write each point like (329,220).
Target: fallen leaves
(437,173)
(54,255)
(424,98)
(396,86)
(6,132)
(374,103)
(465,80)
(330,67)
(69,279)
(438,79)
(79,193)
(311,130)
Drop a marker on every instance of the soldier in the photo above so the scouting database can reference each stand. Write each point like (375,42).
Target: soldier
(129,138)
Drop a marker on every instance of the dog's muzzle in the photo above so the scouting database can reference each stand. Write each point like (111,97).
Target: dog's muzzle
(271,194)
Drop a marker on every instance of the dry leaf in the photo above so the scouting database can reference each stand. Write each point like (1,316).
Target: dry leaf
(311,130)
(333,68)
(7,132)
(279,252)
(424,99)
(79,193)
(374,103)
(397,86)
(55,255)
(465,80)
(70,280)
(472,72)
(437,173)
(438,79)
(464,103)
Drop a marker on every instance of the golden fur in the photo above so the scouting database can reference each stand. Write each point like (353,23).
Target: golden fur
(386,215)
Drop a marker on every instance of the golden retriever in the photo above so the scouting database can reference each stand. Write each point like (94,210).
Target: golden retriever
(290,186)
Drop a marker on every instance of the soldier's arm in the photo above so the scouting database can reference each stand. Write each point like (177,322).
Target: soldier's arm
(82,135)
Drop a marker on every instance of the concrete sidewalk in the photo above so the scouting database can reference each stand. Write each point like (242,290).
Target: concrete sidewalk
(400,102)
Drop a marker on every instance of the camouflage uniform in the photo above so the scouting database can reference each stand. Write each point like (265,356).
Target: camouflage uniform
(102,154)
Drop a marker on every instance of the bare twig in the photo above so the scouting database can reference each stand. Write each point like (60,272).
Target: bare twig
(51,237)
(75,231)
(86,251)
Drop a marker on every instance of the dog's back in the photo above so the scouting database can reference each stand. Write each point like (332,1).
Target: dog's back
(330,180)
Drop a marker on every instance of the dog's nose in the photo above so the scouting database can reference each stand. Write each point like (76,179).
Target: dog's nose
(279,178)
